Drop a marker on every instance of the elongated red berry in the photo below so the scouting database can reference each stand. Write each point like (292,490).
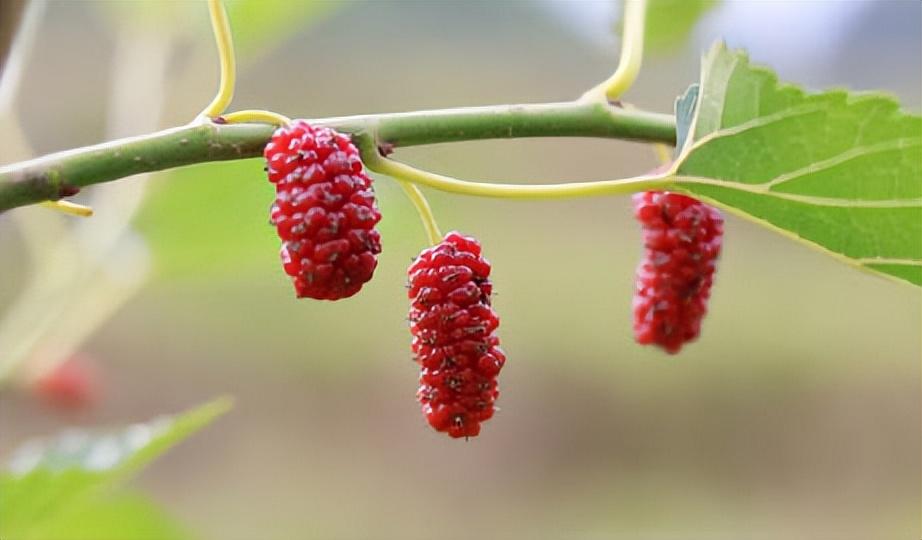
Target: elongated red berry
(682,238)
(453,329)
(324,211)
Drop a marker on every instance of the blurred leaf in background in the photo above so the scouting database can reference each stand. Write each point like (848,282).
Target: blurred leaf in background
(210,219)
(57,488)
(669,22)
(126,516)
(261,25)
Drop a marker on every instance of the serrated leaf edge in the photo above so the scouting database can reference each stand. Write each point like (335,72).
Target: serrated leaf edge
(862,264)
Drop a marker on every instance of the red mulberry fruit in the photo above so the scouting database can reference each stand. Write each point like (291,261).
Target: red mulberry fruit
(682,238)
(324,211)
(453,329)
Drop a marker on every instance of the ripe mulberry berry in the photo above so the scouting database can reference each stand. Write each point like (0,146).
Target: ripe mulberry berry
(453,335)
(324,211)
(682,238)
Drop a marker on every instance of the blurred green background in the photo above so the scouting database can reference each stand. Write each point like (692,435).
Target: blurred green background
(796,415)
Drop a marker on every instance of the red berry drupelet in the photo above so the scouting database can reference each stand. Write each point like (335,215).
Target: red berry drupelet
(682,238)
(453,335)
(324,211)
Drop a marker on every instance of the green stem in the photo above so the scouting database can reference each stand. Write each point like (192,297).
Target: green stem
(567,119)
(62,174)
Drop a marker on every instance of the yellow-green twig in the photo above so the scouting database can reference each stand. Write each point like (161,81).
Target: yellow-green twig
(255,116)
(222,34)
(663,153)
(425,212)
(631,55)
(68,207)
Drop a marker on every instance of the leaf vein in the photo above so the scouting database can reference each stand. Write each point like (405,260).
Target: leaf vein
(757,122)
(844,157)
(760,189)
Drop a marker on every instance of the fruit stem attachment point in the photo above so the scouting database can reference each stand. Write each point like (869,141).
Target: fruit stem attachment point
(222,33)
(255,116)
(68,207)
(635,12)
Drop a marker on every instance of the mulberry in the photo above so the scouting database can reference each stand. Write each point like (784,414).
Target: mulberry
(453,328)
(682,238)
(324,211)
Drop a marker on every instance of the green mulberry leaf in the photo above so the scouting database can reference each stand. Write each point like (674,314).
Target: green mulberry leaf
(837,170)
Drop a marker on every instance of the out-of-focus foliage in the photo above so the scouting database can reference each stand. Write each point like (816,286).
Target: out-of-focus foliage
(258,25)
(261,25)
(670,21)
(126,516)
(55,485)
(210,218)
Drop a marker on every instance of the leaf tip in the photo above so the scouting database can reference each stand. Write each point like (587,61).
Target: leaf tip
(216,407)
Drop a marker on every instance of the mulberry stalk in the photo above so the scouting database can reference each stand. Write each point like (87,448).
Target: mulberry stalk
(324,211)
(682,238)
(453,329)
